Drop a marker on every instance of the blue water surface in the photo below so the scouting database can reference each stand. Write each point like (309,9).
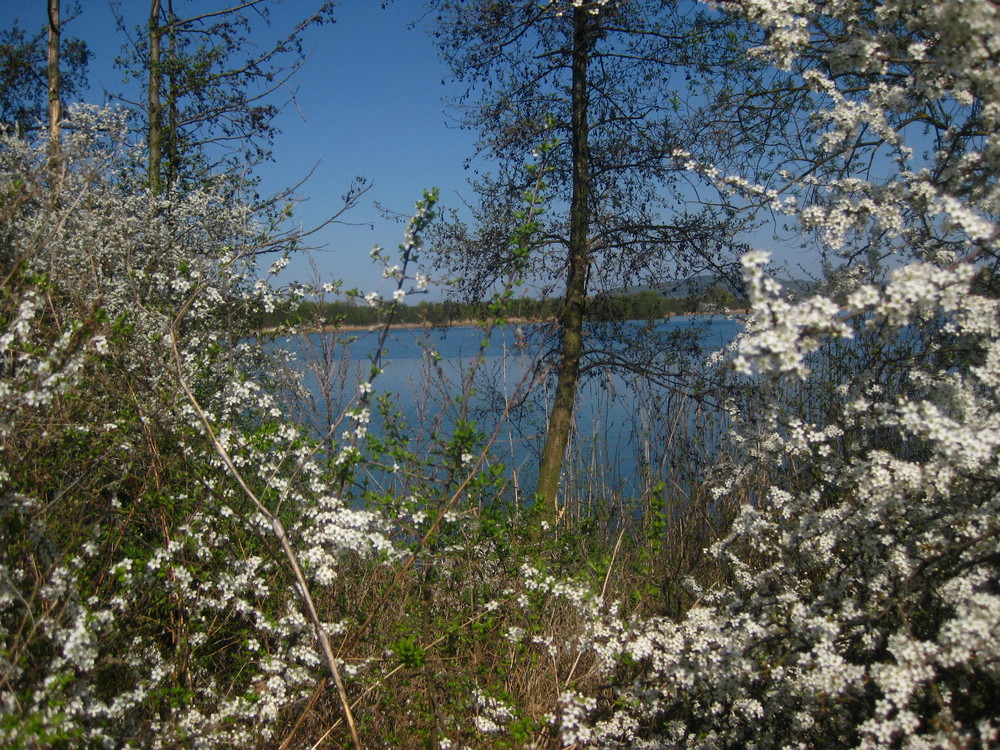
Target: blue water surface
(622,421)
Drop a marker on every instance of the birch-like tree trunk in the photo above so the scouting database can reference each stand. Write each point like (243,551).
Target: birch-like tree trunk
(55,103)
(154,131)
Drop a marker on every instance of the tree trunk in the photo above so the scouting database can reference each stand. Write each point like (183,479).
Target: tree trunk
(154,136)
(561,416)
(171,136)
(55,103)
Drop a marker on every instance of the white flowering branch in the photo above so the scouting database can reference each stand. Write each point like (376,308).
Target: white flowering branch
(304,589)
(860,606)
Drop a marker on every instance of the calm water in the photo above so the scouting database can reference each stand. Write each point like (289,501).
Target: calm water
(623,423)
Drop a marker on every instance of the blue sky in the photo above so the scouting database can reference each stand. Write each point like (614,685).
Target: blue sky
(369,104)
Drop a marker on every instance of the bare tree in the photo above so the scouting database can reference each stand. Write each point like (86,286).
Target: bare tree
(39,73)
(213,87)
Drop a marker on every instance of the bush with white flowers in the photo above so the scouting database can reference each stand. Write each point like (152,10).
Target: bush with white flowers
(862,607)
(145,600)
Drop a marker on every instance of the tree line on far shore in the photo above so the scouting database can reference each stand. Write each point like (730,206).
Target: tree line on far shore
(647,304)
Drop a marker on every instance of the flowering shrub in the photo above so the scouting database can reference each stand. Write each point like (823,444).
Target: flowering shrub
(144,598)
(183,566)
(862,607)
(176,556)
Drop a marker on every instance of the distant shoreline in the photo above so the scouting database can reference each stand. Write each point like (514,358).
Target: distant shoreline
(356,327)
(468,322)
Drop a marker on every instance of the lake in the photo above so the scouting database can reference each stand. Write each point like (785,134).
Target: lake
(628,429)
